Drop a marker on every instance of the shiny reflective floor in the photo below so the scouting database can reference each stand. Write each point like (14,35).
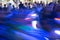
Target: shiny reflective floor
(17,28)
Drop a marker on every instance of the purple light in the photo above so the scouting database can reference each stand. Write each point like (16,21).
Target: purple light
(57,32)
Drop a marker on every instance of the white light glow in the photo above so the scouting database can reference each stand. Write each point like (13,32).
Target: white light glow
(34,23)
(34,15)
(46,38)
(57,32)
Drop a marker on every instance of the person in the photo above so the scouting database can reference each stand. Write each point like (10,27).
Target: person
(26,5)
(0,7)
(29,5)
(14,10)
(21,5)
(9,6)
(5,8)
(13,7)
(41,3)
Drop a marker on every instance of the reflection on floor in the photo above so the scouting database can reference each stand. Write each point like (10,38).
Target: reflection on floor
(16,28)
(20,31)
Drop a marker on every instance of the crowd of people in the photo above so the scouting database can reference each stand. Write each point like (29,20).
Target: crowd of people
(47,8)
